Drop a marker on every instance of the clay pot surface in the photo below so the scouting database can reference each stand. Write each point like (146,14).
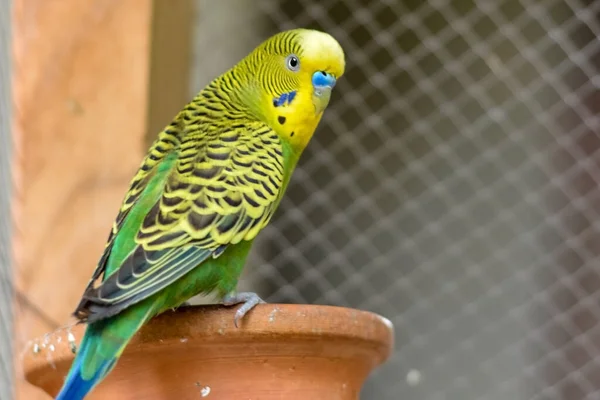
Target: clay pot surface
(280,351)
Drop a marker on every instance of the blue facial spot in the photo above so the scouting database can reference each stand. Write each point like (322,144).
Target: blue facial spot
(285,98)
(279,101)
(322,79)
(291,96)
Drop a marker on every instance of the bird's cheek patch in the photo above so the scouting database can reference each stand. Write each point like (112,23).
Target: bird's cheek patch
(284,99)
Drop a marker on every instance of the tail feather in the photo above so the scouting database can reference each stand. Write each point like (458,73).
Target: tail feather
(76,387)
(100,348)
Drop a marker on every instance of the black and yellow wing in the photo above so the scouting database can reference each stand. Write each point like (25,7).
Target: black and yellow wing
(188,202)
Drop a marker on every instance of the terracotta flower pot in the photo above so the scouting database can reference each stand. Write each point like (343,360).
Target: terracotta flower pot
(280,351)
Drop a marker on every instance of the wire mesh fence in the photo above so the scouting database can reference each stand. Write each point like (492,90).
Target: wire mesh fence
(6,279)
(452,187)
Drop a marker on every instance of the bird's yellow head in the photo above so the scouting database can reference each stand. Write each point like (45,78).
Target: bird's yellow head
(293,74)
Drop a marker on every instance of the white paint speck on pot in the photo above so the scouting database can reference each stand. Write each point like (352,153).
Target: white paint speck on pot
(205,391)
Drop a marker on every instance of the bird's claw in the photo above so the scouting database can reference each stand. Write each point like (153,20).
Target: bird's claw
(249,300)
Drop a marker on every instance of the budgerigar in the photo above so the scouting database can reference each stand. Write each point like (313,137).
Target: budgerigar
(209,184)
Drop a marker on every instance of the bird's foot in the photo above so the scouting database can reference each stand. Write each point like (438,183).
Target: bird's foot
(249,300)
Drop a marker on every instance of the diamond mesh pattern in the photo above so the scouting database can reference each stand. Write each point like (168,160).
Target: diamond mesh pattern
(453,187)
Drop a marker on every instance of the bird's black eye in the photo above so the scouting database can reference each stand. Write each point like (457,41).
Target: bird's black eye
(292,62)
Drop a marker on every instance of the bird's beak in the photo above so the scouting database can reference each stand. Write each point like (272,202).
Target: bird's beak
(323,83)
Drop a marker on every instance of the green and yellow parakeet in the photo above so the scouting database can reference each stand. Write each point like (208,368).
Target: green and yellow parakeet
(208,185)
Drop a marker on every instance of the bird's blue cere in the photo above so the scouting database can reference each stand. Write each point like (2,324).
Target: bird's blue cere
(322,80)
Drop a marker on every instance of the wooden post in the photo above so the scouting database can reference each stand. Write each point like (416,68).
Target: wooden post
(80,87)
(170,62)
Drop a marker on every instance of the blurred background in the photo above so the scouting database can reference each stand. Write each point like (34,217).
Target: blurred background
(452,187)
